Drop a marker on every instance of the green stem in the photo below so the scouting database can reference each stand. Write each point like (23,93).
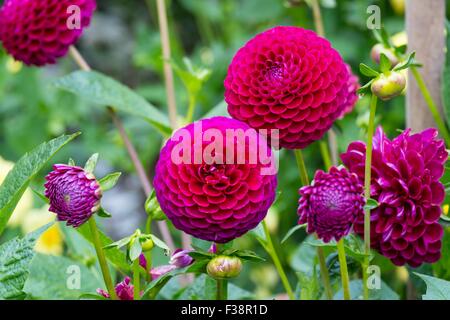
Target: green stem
(320,254)
(344,272)
(101,259)
(367,179)
(325,154)
(136,280)
(222,284)
(431,105)
(191,109)
(276,260)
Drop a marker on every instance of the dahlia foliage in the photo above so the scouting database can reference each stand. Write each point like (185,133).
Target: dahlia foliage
(211,185)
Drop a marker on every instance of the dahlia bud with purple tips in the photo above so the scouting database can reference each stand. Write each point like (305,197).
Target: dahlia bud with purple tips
(224,267)
(331,204)
(158,272)
(181,258)
(124,290)
(73,193)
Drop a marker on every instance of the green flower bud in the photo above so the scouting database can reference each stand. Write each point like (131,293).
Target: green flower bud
(147,245)
(378,49)
(388,86)
(224,267)
(153,209)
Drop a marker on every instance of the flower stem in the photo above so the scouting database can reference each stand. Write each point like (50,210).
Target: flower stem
(101,259)
(325,154)
(276,260)
(136,280)
(344,271)
(431,105)
(318,21)
(320,254)
(367,180)
(222,284)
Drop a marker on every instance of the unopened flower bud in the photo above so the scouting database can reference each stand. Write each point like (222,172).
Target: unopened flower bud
(147,245)
(378,49)
(181,258)
(224,267)
(388,86)
(153,209)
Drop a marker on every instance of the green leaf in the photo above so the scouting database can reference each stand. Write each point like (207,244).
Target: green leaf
(365,89)
(356,292)
(371,204)
(368,71)
(58,278)
(201,245)
(198,255)
(71,162)
(304,257)
(41,196)
(23,172)
(437,289)
(108,182)
(385,63)
(135,249)
(114,255)
(91,163)
(407,63)
(15,258)
(119,243)
(352,244)
(308,285)
(161,244)
(292,231)
(103,90)
(103,213)
(220,109)
(248,255)
(259,234)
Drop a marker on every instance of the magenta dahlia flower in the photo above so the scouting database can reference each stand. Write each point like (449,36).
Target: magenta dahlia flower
(37,32)
(124,290)
(405,182)
(331,204)
(218,197)
(352,87)
(290,79)
(74,194)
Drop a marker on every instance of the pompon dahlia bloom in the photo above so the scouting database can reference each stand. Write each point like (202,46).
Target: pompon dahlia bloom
(352,87)
(124,290)
(405,182)
(74,194)
(331,204)
(215,198)
(37,32)
(290,79)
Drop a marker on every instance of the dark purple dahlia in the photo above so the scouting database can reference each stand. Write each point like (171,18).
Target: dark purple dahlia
(331,204)
(74,194)
(210,199)
(37,32)
(405,181)
(290,79)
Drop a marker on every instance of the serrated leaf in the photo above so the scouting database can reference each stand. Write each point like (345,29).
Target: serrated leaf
(91,163)
(292,231)
(368,71)
(437,289)
(114,255)
(103,90)
(58,278)
(23,172)
(108,182)
(15,258)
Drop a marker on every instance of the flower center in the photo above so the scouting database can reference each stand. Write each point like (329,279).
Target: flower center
(67,199)
(275,72)
(214,174)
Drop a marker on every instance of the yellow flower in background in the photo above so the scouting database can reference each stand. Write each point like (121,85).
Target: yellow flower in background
(26,202)
(400,39)
(13,66)
(51,241)
(398,6)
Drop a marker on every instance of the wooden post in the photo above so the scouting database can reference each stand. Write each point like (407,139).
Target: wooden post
(425,25)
